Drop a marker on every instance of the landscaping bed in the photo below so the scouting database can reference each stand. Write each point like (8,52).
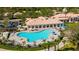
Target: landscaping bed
(21,48)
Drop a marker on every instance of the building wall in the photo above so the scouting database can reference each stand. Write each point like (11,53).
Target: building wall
(73,19)
(46,26)
(10,24)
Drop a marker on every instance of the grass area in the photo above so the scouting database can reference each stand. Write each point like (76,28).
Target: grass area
(71,25)
(19,48)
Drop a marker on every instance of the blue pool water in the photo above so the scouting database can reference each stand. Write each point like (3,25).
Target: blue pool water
(34,36)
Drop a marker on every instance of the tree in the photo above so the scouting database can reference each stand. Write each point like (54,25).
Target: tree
(5,22)
(74,34)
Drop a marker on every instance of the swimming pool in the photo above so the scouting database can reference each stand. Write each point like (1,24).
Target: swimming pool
(34,36)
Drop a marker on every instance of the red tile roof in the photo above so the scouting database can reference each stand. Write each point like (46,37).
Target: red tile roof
(65,15)
(40,21)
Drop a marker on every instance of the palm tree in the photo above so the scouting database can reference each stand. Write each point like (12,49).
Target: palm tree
(56,44)
(62,34)
(48,45)
(64,11)
(58,40)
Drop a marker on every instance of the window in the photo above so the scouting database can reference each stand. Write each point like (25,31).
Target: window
(40,26)
(58,25)
(47,25)
(43,26)
(32,26)
(61,24)
(29,26)
(25,28)
(36,26)
(54,25)
(71,19)
(51,25)
(67,20)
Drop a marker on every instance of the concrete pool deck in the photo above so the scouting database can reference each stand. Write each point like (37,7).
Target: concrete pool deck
(13,36)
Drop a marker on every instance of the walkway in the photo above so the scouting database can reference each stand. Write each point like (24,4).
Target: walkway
(3,49)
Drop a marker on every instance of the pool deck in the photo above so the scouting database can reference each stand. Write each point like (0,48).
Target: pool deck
(14,36)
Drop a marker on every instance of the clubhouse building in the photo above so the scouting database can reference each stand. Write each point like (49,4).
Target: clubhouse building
(43,23)
(69,17)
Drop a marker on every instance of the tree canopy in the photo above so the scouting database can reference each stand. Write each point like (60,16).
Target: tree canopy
(34,11)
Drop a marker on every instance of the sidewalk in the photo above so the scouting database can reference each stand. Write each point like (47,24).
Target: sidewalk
(3,49)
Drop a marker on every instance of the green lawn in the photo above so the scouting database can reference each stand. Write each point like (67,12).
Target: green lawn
(71,25)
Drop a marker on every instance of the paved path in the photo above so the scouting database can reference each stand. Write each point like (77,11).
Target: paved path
(3,49)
